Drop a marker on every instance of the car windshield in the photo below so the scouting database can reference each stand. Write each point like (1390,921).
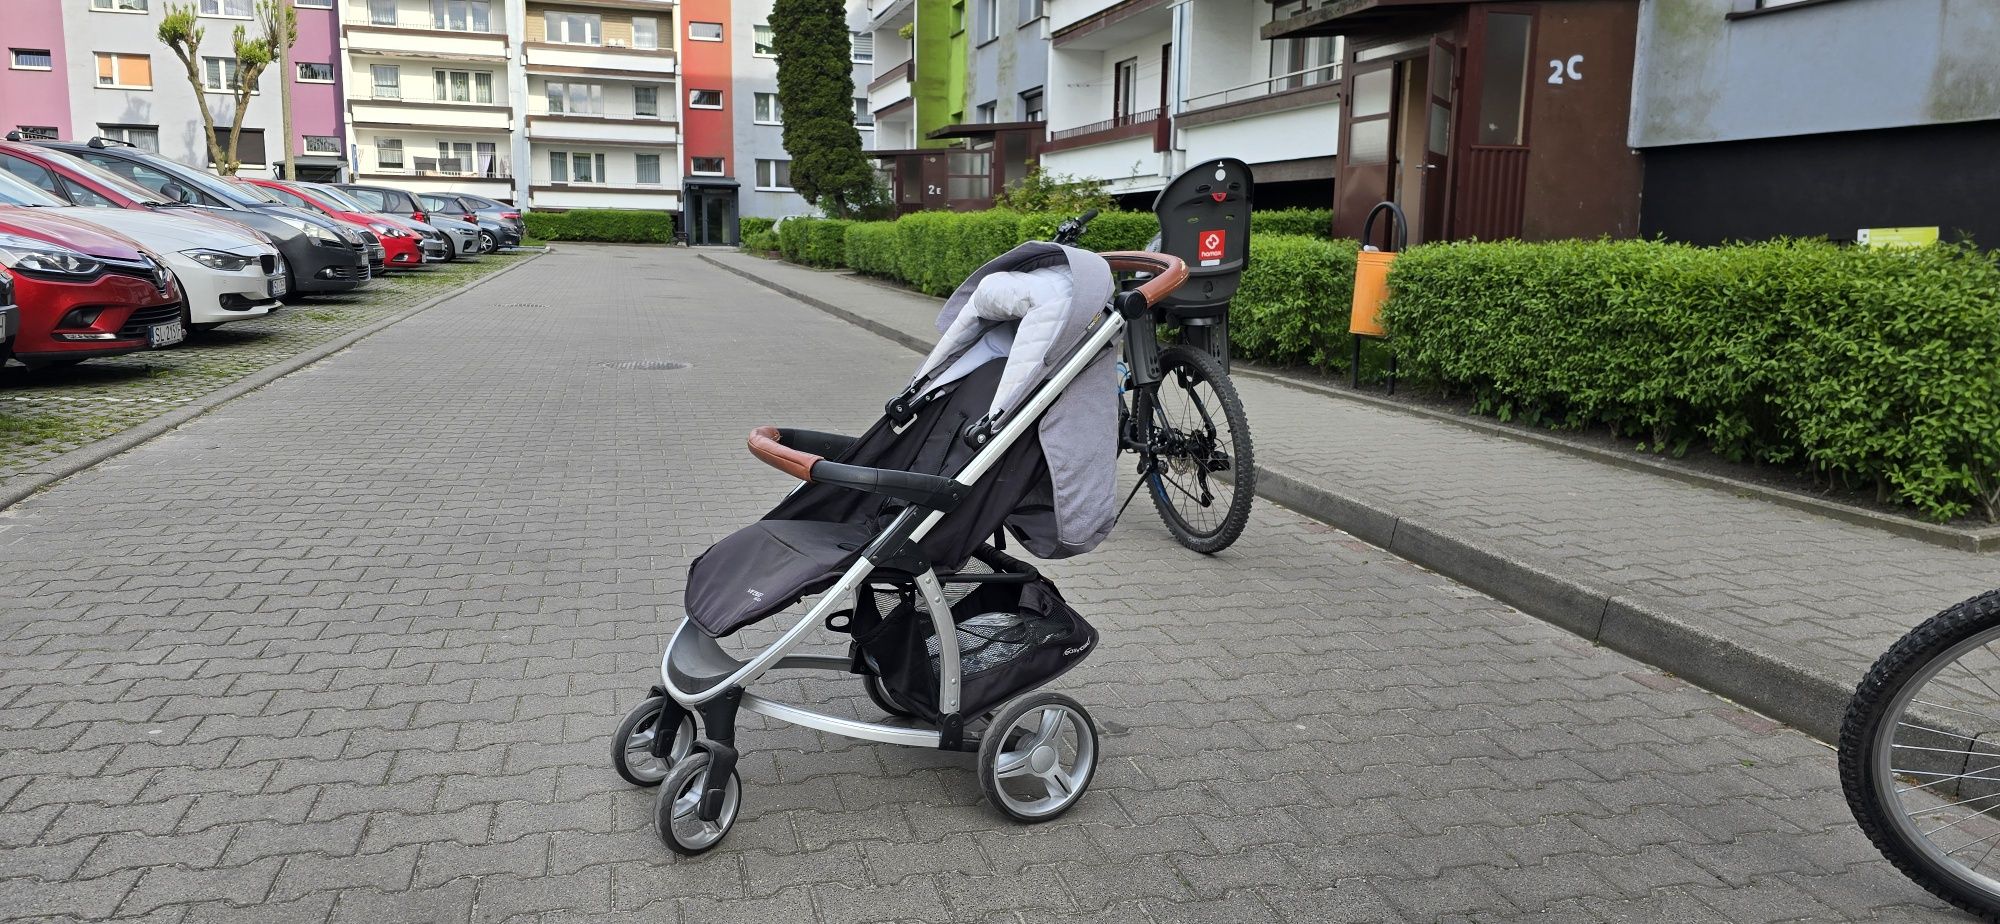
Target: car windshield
(121,185)
(16,191)
(255,192)
(225,191)
(337,199)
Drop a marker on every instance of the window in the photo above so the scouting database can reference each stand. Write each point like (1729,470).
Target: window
(313,4)
(382,12)
(144,137)
(1031,105)
(85,196)
(986,112)
(1032,10)
(704,32)
(646,102)
(558,167)
(576,98)
(768,112)
(1505,87)
(862,117)
(242,9)
(454,158)
(249,145)
(575,28)
(322,144)
(388,79)
(565,167)
(32,172)
(863,45)
(462,15)
(705,99)
(761,41)
(706,166)
(389,153)
(122,6)
(220,75)
(774,174)
(645,32)
(969,175)
(958,17)
(1124,87)
(985,21)
(462,86)
(648,167)
(37,131)
(128,71)
(310,72)
(32,59)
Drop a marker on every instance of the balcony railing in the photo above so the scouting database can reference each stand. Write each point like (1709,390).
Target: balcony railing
(428,22)
(408,163)
(1312,76)
(904,71)
(539,106)
(1114,123)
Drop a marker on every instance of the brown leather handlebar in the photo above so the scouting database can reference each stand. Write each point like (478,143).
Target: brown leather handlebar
(1168,271)
(765,445)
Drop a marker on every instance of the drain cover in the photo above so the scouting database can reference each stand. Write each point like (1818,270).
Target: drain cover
(646,364)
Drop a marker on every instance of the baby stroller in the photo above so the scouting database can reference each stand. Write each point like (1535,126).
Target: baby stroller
(1009,425)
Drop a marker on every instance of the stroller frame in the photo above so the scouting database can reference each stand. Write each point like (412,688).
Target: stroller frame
(698,677)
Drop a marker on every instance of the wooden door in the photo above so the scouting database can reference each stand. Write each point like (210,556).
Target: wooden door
(935,179)
(1367,145)
(1442,75)
(1490,186)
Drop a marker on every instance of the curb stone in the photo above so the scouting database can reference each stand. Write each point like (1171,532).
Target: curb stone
(1807,693)
(20,487)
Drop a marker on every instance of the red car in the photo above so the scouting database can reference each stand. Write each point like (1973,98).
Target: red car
(83,292)
(401,246)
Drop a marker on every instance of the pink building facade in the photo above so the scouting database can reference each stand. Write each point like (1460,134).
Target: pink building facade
(34,86)
(319,133)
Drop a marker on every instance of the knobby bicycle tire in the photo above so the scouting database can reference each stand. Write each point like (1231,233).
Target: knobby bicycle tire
(1168,493)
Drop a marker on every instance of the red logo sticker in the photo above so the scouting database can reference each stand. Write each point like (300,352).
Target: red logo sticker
(1211,244)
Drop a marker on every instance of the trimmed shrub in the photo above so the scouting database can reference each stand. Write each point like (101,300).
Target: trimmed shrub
(1108,231)
(935,251)
(825,243)
(1308,222)
(761,241)
(1871,367)
(1293,303)
(750,225)
(871,248)
(618,226)
(792,238)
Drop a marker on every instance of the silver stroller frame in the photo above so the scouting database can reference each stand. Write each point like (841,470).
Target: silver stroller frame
(700,790)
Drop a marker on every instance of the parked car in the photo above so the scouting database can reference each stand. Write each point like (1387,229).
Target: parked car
(403,245)
(508,215)
(493,232)
(462,236)
(435,244)
(82,291)
(378,254)
(227,272)
(10,316)
(321,256)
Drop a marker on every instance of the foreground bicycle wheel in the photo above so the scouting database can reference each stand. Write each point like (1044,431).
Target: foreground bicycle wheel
(1920,755)
(1205,476)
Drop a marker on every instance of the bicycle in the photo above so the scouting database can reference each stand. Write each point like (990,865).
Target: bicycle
(1920,755)
(1202,474)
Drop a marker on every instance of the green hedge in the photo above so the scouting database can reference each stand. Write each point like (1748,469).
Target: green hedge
(619,226)
(1871,367)
(747,226)
(871,248)
(1293,302)
(761,241)
(1308,222)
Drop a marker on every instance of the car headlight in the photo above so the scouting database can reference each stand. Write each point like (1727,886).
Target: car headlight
(41,258)
(217,260)
(387,230)
(319,233)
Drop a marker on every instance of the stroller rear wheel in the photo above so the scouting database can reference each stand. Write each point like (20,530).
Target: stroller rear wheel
(632,746)
(1038,756)
(677,812)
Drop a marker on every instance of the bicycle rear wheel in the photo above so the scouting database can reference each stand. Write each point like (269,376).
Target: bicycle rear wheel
(1920,755)
(1203,475)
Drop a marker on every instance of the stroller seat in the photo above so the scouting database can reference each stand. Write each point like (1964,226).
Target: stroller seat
(770,563)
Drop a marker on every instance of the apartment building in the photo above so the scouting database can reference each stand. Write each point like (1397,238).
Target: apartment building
(1791,118)
(35,87)
(603,125)
(432,100)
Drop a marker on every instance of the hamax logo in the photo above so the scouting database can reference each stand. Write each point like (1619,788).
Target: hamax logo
(1077,650)
(756,594)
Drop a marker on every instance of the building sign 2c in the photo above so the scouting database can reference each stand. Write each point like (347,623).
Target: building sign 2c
(1562,70)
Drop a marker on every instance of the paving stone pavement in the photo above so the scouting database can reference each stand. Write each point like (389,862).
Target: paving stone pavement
(350,648)
(1820,595)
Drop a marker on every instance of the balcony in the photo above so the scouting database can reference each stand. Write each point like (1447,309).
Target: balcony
(371,111)
(1289,117)
(607,125)
(890,87)
(406,163)
(416,35)
(561,58)
(1149,123)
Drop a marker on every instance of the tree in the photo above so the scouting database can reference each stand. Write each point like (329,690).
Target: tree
(281,26)
(182,33)
(816,95)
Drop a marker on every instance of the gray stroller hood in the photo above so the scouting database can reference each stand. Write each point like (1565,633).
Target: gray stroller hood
(1047,314)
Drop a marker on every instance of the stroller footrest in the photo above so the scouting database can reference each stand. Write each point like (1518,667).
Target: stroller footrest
(696,663)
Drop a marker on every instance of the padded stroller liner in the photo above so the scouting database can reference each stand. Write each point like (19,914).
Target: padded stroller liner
(802,546)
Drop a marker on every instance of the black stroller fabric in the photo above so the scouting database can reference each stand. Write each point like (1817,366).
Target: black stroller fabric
(804,544)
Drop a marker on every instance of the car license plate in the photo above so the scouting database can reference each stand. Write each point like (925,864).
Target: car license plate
(166,335)
(278,286)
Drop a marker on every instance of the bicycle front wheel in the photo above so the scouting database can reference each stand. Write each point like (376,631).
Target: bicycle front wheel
(1203,475)
(1920,755)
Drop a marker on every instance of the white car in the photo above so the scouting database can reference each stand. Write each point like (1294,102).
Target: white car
(227,272)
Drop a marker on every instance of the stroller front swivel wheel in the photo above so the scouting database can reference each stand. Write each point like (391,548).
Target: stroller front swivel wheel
(1038,756)
(677,813)
(632,746)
